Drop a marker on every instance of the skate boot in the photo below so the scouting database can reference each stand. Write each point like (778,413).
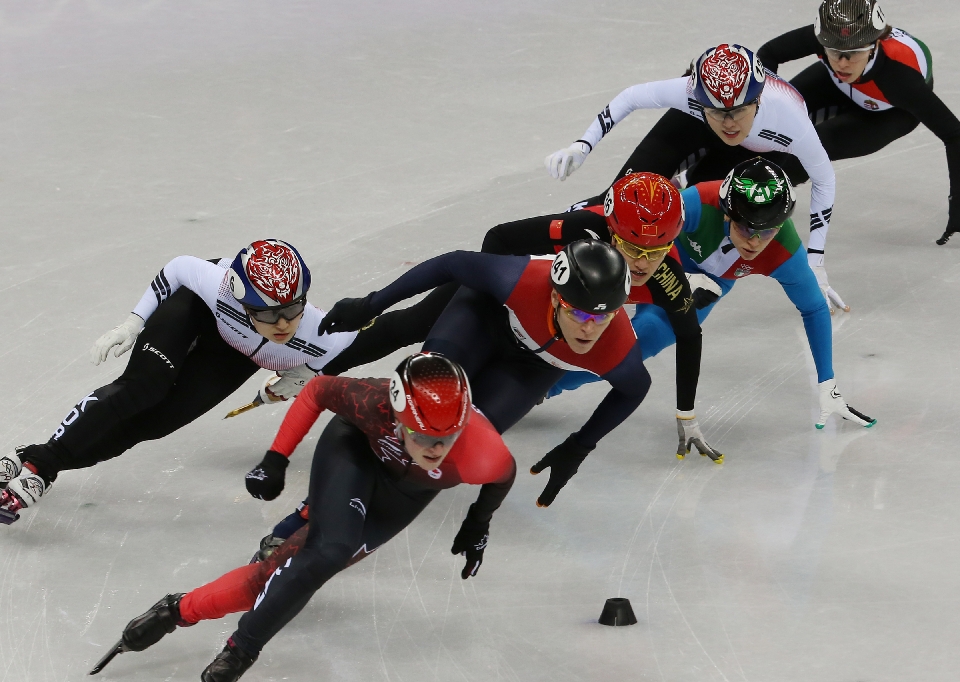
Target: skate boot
(228,666)
(147,629)
(11,465)
(268,545)
(20,493)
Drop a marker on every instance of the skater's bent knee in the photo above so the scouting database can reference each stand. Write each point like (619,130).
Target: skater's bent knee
(319,564)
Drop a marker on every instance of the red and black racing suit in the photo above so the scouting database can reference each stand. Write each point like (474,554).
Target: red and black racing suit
(668,288)
(364,489)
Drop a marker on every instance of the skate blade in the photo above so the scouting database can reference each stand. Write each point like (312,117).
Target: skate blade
(256,402)
(7,517)
(112,654)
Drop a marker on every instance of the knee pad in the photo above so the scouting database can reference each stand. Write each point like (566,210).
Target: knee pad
(319,564)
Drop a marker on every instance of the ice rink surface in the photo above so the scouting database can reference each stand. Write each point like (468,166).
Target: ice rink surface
(374,135)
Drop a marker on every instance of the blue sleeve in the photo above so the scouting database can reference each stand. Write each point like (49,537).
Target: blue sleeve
(692,206)
(800,285)
(492,274)
(629,383)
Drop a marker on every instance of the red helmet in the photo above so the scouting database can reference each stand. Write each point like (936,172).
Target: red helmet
(430,394)
(644,209)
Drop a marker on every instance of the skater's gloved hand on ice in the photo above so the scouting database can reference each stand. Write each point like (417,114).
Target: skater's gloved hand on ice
(562,163)
(122,336)
(265,481)
(470,542)
(563,460)
(348,315)
(286,383)
(705,290)
(832,402)
(833,298)
(689,432)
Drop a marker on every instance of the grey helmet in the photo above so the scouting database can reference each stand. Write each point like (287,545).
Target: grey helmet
(848,24)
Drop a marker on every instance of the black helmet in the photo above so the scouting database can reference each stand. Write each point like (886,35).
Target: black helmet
(757,194)
(591,275)
(846,24)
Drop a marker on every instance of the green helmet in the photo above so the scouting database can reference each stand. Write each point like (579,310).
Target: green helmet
(757,194)
(847,24)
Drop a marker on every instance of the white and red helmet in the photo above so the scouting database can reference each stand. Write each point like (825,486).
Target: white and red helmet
(727,76)
(269,273)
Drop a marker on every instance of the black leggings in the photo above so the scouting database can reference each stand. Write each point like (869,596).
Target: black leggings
(179,368)
(675,142)
(846,130)
(354,508)
(507,381)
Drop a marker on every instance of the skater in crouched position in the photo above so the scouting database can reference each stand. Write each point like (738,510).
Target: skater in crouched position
(641,217)
(517,323)
(728,109)
(201,329)
(391,448)
(872,85)
(739,227)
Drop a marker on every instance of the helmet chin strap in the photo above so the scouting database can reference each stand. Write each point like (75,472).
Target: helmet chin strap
(398,432)
(557,333)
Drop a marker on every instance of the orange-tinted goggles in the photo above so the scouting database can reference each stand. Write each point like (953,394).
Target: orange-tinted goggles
(634,251)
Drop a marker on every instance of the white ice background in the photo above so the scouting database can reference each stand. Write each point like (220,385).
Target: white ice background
(374,135)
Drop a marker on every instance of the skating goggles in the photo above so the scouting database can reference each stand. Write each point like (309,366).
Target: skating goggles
(634,251)
(427,441)
(720,115)
(582,316)
(748,234)
(273,315)
(834,53)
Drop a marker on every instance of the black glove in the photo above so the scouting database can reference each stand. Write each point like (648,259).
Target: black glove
(703,297)
(347,315)
(563,460)
(265,481)
(470,542)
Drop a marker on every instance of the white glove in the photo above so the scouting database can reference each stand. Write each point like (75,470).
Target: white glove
(286,383)
(121,336)
(833,298)
(688,430)
(705,290)
(564,162)
(831,401)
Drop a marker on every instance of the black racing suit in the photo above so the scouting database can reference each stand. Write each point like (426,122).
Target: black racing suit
(180,368)
(846,129)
